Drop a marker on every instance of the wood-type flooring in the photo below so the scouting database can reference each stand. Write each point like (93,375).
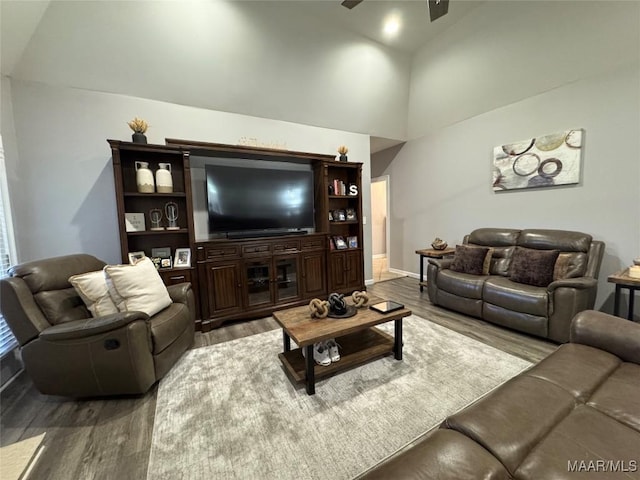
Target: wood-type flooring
(111,438)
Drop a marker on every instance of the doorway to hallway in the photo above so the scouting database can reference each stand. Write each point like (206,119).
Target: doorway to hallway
(380,234)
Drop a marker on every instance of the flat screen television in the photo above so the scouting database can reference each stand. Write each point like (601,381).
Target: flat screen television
(243,201)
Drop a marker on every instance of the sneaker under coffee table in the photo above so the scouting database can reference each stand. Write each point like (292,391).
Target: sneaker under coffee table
(357,335)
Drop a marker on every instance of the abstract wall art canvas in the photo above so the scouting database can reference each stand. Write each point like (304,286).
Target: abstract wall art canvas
(544,161)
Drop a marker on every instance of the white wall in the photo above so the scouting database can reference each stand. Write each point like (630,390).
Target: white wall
(441,182)
(516,70)
(264,59)
(507,51)
(66,201)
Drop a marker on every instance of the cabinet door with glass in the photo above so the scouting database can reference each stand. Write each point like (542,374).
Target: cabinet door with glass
(286,278)
(258,284)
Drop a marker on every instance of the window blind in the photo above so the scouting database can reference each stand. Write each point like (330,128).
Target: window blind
(7,340)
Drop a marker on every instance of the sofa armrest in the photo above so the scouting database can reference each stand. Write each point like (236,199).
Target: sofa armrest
(579,283)
(90,326)
(441,263)
(179,292)
(613,334)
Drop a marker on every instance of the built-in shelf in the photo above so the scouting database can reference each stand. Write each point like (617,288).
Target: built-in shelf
(159,232)
(165,195)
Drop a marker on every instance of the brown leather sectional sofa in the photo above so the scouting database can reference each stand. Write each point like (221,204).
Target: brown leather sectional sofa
(545,311)
(576,414)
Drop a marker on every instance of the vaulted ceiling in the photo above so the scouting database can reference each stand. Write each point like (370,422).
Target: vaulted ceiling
(305,61)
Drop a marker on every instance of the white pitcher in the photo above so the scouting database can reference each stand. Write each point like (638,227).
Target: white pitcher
(164,181)
(144,177)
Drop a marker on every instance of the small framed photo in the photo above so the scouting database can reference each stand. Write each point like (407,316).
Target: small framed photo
(162,252)
(135,256)
(352,242)
(156,262)
(340,243)
(134,222)
(182,258)
(339,215)
(331,215)
(351,214)
(165,262)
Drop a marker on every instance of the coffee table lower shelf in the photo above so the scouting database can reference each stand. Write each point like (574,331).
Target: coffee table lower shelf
(357,348)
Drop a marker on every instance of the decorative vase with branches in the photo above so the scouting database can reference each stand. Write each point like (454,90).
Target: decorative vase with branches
(139,128)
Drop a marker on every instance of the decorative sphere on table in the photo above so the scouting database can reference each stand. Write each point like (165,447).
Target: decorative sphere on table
(439,244)
(337,304)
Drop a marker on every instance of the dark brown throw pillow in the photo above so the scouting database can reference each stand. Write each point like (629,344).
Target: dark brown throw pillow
(469,259)
(533,267)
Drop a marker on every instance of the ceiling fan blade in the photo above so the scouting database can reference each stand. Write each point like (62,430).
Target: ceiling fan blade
(351,3)
(438,8)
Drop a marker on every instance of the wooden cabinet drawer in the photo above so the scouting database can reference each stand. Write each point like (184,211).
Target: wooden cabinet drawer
(313,243)
(222,251)
(286,246)
(175,276)
(256,249)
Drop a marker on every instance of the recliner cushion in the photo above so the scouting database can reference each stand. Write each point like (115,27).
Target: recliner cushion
(60,306)
(570,265)
(515,296)
(619,396)
(461,284)
(510,421)
(588,436)
(137,287)
(533,267)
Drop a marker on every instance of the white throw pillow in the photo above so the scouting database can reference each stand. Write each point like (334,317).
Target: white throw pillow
(137,287)
(92,288)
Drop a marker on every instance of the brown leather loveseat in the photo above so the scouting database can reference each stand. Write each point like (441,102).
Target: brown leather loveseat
(576,414)
(67,352)
(506,293)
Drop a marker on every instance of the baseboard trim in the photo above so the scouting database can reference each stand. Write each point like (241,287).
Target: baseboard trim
(368,283)
(403,272)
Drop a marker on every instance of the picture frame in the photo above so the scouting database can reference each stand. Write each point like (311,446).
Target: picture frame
(351,214)
(134,222)
(352,241)
(165,263)
(340,243)
(339,215)
(135,256)
(331,215)
(162,252)
(182,258)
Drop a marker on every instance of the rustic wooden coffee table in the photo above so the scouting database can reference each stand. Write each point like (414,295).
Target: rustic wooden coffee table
(358,337)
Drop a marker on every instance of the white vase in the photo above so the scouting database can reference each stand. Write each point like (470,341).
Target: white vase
(144,178)
(164,181)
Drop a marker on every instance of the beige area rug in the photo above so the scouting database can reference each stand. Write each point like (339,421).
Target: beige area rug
(228,411)
(17,459)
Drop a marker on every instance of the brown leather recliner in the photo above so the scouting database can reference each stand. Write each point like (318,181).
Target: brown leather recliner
(67,352)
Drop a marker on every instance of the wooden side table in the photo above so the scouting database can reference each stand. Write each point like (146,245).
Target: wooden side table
(623,280)
(431,253)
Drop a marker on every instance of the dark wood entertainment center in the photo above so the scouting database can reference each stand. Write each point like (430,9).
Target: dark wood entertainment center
(250,277)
